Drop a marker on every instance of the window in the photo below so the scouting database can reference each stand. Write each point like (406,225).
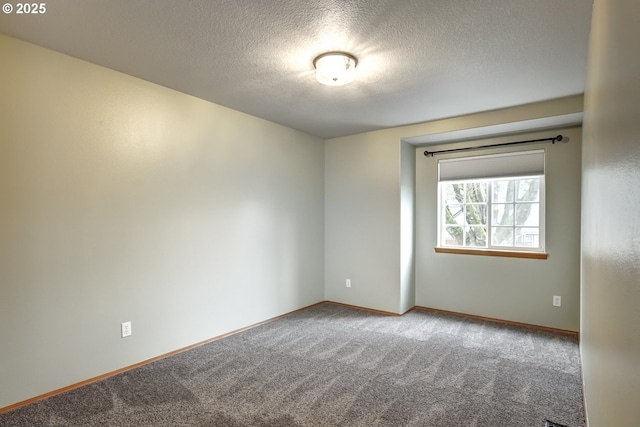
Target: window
(492,202)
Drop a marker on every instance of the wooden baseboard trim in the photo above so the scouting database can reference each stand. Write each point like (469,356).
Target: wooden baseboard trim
(502,321)
(144,362)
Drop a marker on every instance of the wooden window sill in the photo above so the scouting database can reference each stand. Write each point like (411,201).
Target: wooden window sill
(491,252)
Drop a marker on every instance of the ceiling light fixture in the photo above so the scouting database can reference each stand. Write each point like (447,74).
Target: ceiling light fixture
(335,68)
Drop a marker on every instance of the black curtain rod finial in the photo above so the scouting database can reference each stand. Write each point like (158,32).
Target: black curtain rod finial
(562,138)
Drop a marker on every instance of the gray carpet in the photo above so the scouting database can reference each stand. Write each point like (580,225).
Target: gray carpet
(336,366)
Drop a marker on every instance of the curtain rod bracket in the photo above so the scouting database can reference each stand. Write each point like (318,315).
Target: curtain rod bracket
(481,147)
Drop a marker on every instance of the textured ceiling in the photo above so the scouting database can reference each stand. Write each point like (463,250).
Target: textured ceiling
(419,60)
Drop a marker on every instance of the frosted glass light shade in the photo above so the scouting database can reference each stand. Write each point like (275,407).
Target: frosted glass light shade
(335,68)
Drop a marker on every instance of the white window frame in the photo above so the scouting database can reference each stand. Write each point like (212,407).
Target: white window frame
(489,168)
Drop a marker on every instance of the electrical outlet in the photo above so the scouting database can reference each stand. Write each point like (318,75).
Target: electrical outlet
(348,283)
(557,301)
(126,329)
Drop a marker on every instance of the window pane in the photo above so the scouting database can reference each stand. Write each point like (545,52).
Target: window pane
(528,189)
(502,236)
(476,192)
(453,193)
(513,204)
(454,214)
(528,214)
(527,237)
(503,191)
(476,214)
(452,236)
(502,214)
(476,237)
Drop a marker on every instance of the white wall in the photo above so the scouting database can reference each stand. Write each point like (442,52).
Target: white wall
(362,221)
(365,178)
(407,226)
(123,200)
(610,227)
(513,289)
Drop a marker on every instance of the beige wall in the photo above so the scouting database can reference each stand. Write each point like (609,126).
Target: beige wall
(610,226)
(123,200)
(519,290)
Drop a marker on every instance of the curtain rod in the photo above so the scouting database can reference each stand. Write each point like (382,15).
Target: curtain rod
(504,144)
